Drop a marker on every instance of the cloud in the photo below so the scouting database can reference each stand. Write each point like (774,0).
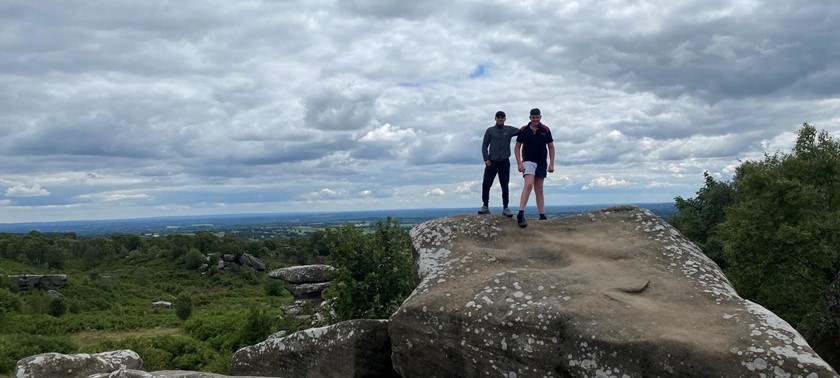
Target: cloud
(605,182)
(5,202)
(22,190)
(125,109)
(340,105)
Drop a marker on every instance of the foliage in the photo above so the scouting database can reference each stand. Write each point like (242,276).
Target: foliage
(112,281)
(16,346)
(698,218)
(183,306)
(373,271)
(165,352)
(776,227)
(782,236)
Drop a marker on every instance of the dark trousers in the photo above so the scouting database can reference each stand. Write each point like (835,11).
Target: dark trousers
(502,168)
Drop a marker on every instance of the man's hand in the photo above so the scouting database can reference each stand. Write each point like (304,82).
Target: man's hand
(520,166)
(551,168)
(487,163)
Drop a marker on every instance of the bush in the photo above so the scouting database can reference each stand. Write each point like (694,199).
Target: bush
(373,271)
(165,352)
(183,306)
(13,347)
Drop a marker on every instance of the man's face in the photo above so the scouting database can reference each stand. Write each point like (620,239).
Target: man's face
(536,119)
(500,120)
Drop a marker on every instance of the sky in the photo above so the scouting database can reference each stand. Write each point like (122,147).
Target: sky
(128,109)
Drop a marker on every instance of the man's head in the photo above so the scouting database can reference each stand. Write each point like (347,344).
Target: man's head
(535,115)
(500,117)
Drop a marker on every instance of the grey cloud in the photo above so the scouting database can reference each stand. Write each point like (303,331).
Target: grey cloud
(340,105)
(389,8)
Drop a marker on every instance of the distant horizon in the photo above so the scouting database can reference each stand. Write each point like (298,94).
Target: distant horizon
(291,213)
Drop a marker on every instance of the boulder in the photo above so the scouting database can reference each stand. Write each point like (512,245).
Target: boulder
(308,291)
(611,293)
(354,348)
(37,281)
(253,262)
(303,273)
(51,365)
(129,373)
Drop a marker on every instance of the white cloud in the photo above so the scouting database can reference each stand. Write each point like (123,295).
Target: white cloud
(388,133)
(5,202)
(22,190)
(605,182)
(261,107)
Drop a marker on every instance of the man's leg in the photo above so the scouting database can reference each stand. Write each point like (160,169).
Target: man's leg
(489,176)
(504,180)
(538,192)
(526,191)
(523,200)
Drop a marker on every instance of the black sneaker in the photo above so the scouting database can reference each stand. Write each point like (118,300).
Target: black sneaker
(520,220)
(543,217)
(484,210)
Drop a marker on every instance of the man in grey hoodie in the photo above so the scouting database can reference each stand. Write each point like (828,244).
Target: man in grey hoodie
(496,151)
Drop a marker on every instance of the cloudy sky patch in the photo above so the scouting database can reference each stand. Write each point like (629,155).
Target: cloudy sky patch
(131,109)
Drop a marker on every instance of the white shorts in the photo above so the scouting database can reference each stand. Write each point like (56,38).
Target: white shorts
(530,168)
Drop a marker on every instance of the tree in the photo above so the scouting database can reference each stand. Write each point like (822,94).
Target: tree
(373,271)
(698,218)
(183,306)
(781,237)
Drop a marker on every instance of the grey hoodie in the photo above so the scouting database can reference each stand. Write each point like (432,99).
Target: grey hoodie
(498,139)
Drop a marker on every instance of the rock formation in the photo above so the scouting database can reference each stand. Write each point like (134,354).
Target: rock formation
(305,281)
(50,365)
(612,293)
(38,281)
(355,348)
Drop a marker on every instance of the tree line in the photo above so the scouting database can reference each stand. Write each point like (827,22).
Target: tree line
(774,229)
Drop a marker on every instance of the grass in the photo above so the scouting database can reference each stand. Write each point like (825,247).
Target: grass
(87,339)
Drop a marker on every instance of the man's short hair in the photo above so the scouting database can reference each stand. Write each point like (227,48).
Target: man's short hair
(535,111)
(500,114)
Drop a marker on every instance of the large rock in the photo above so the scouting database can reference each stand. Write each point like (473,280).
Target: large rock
(612,293)
(303,274)
(51,365)
(38,281)
(354,348)
(129,373)
(252,261)
(308,290)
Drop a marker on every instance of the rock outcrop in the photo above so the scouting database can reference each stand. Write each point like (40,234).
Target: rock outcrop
(38,281)
(305,281)
(612,293)
(355,348)
(49,365)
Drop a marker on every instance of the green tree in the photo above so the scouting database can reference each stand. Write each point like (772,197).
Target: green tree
(193,259)
(257,327)
(698,218)
(58,307)
(183,306)
(373,271)
(781,237)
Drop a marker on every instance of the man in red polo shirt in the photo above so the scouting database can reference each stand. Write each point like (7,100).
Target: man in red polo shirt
(533,145)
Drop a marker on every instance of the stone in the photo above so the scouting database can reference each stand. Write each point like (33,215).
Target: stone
(129,373)
(308,291)
(303,274)
(252,262)
(51,365)
(353,348)
(611,293)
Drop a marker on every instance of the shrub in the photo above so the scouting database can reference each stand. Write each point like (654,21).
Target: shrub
(373,271)
(183,306)
(13,347)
